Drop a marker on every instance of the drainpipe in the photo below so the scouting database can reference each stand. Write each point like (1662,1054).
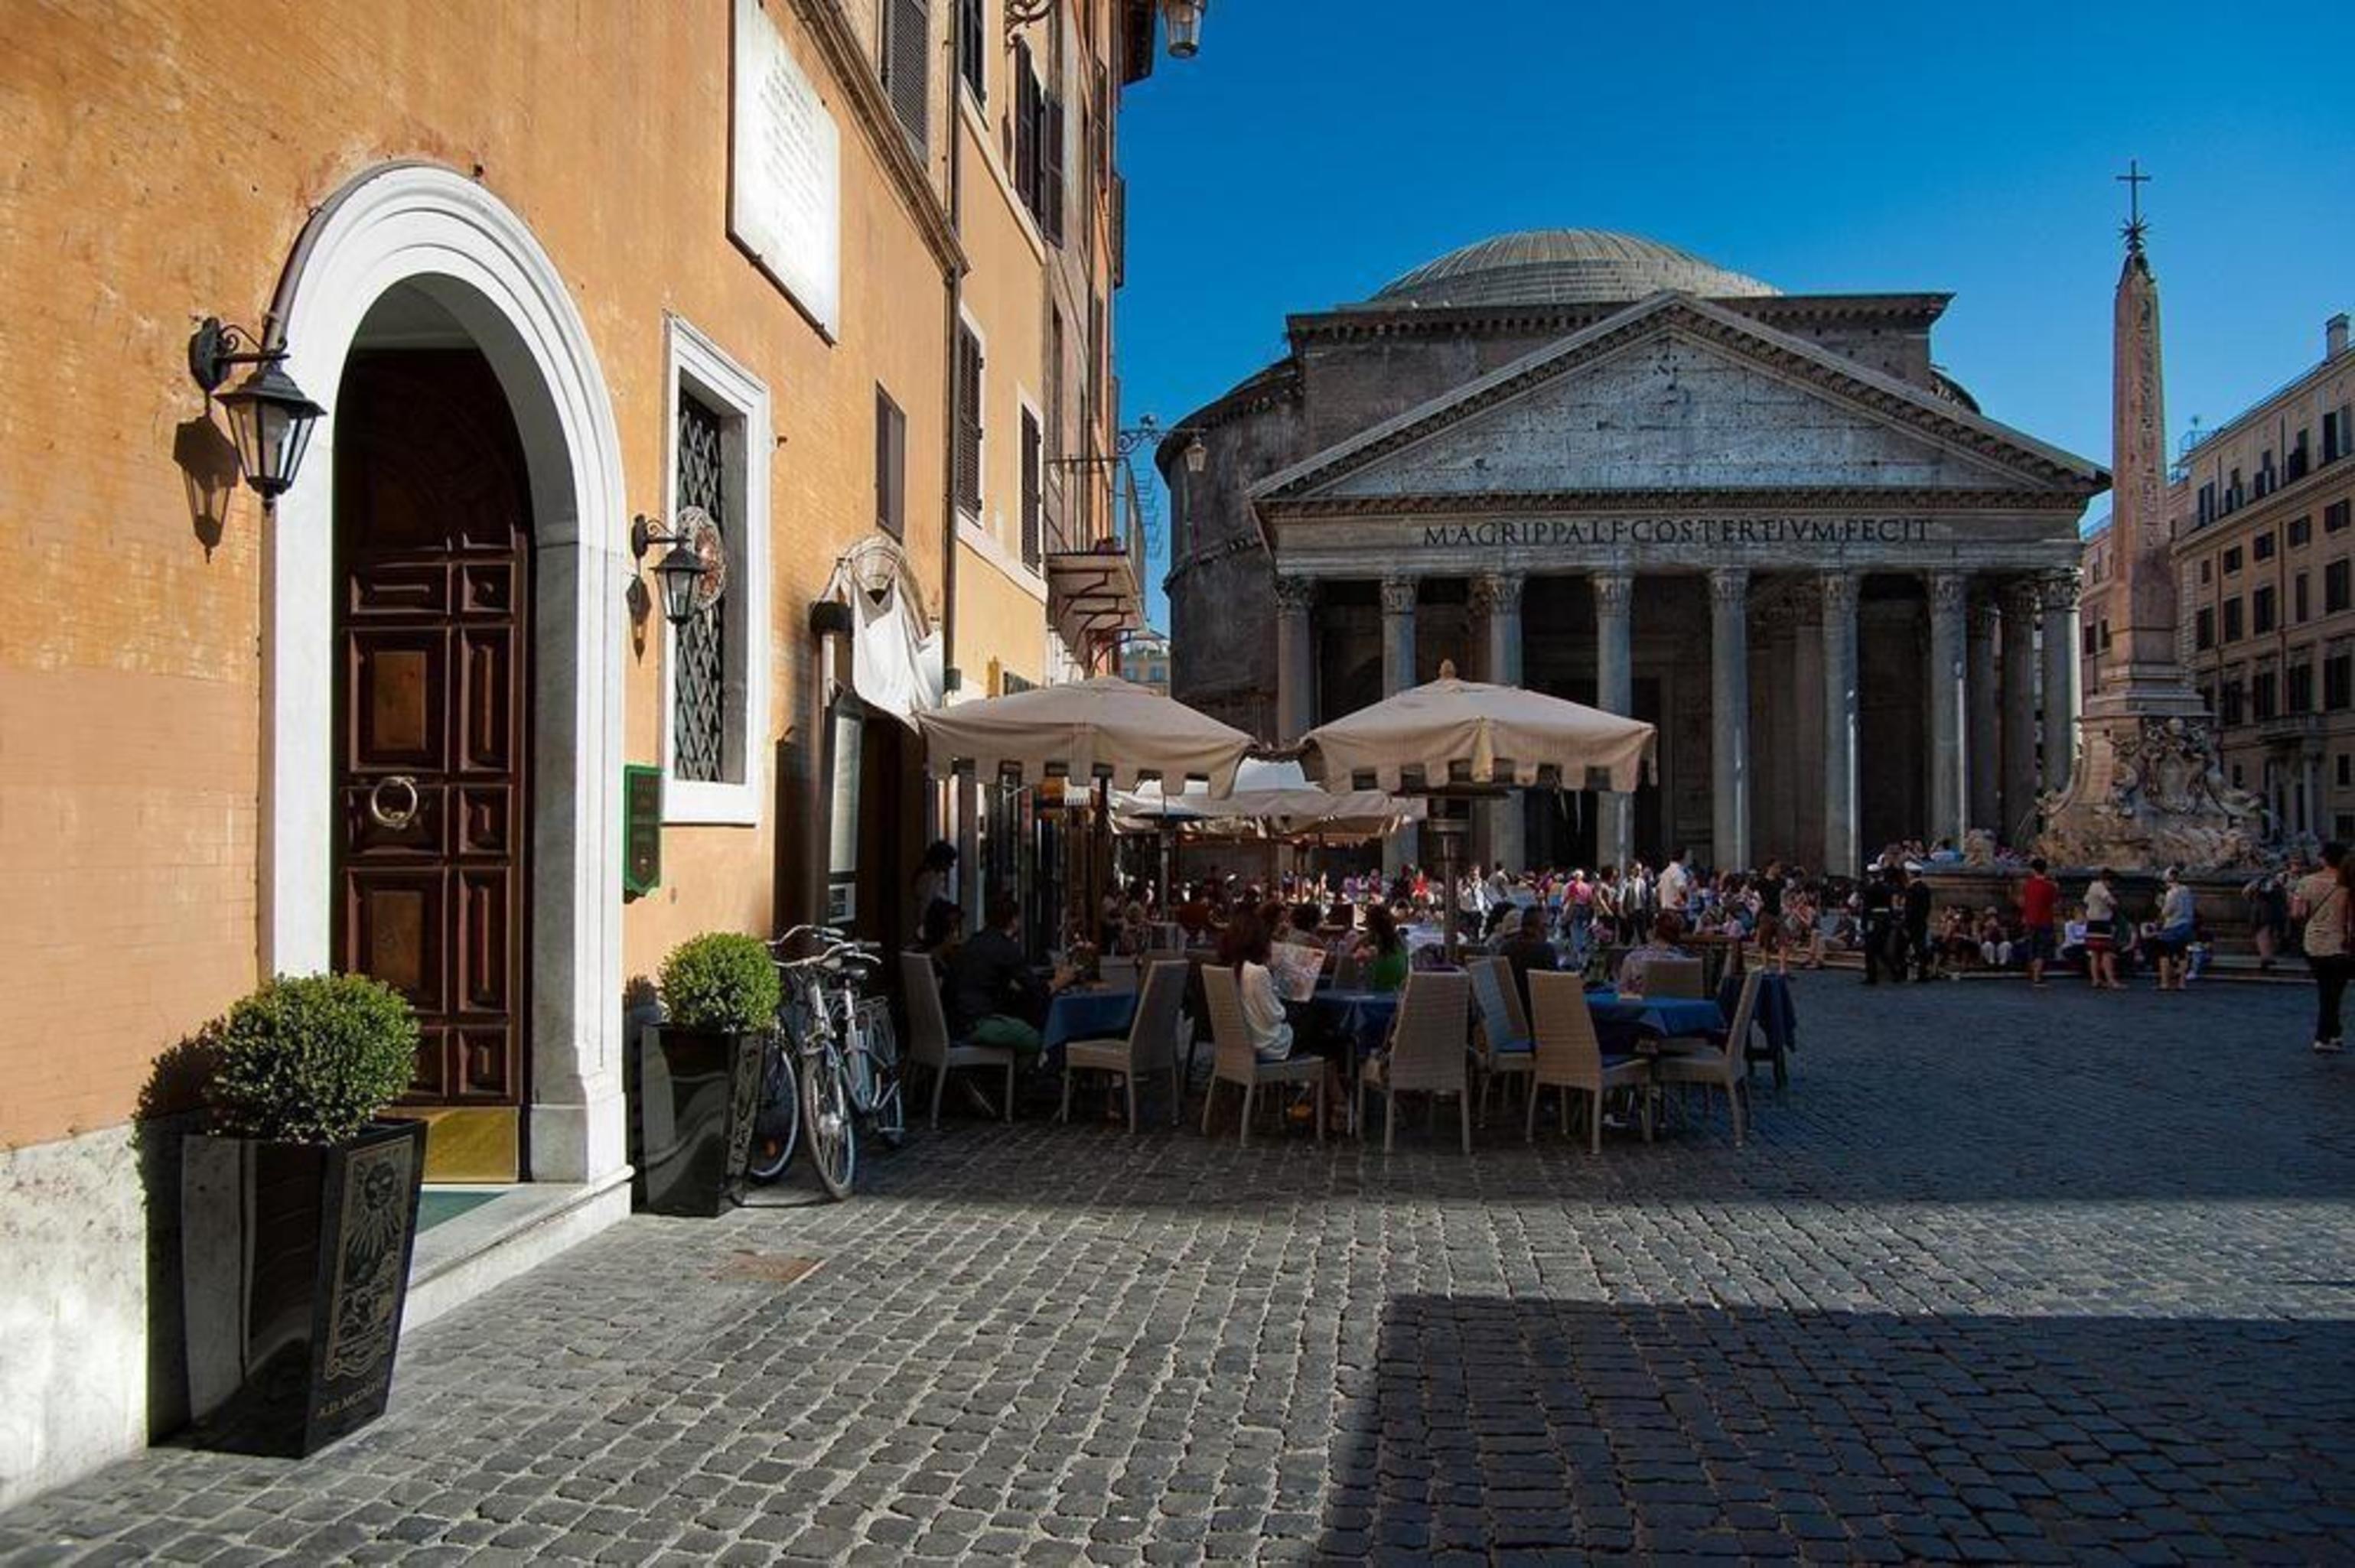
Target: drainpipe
(966,789)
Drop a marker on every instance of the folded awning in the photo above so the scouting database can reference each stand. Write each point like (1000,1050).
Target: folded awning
(896,663)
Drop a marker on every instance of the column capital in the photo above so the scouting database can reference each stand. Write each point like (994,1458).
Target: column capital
(1984,617)
(1839,593)
(1399,595)
(1949,591)
(1614,592)
(2020,597)
(1296,596)
(1729,585)
(1496,593)
(2058,590)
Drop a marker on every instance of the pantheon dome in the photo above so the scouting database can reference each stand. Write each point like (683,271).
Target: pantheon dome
(1561,266)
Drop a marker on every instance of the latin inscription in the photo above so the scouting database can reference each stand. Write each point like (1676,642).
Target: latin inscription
(1699,533)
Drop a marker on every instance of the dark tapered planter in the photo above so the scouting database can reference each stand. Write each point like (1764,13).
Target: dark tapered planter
(294,1267)
(693,1096)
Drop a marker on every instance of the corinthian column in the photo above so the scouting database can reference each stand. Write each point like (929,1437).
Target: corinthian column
(2058,596)
(2018,712)
(1729,700)
(1398,673)
(1296,658)
(1981,809)
(1949,759)
(1614,691)
(1842,856)
(1497,594)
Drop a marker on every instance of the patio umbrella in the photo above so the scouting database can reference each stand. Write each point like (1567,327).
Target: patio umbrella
(1102,728)
(1457,739)
(1460,732)
(1278,794)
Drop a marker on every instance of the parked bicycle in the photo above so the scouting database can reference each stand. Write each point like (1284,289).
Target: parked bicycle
(831,1064)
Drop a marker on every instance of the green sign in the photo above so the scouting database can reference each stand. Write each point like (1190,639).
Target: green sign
(642,795)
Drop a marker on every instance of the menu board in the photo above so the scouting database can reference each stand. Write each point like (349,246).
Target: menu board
(784,164)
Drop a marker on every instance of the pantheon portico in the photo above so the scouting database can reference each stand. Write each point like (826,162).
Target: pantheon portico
(1598,467)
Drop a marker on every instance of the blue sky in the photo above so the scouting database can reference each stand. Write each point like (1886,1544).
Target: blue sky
(1317,148)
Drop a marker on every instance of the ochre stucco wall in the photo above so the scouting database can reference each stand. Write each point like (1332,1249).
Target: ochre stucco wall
(164,158)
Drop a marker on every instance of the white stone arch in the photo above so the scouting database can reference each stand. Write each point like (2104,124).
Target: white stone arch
(432,228)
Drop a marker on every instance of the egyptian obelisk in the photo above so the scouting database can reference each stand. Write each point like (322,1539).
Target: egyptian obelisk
(2147,791)
(2142,675)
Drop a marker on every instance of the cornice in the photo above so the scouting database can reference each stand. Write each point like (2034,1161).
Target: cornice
(847,59)
(1376,320)
(2306,493)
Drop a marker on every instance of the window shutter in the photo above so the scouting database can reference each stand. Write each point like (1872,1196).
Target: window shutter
(1030,545)
(1026,128)
(1050,136)
(970,35)
(969,422)
(907,51)
(890,466)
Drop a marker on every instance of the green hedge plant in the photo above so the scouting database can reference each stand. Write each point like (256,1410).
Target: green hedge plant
(311,1059)
(721,981)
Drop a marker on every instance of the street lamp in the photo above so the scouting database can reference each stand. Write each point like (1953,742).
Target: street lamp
(1184,20)
(693,571)
(270,418)
(1129,438)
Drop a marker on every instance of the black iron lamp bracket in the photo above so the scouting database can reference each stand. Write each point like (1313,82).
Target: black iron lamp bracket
(215,348)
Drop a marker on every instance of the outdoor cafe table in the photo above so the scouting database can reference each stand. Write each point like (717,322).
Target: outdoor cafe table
(1625,1021)
(1086,1013)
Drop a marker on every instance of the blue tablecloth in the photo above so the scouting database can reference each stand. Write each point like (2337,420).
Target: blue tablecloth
(1363,1017)
(1088,1015)
(1661,1017)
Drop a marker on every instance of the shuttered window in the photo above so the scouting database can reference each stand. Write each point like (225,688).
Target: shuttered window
(973,35)
(906,51)
(1031,545)
(968,431)
(1038,147)
(890,466)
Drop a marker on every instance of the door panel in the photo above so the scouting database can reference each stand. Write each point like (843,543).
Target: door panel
(432,535)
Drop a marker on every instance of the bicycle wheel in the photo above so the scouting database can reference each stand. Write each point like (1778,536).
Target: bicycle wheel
(777,1124)
(825,1112)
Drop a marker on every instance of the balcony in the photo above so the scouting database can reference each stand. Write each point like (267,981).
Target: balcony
(2289,730)
(1095,594)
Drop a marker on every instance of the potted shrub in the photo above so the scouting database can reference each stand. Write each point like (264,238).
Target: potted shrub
(298,1212)
(695,1079)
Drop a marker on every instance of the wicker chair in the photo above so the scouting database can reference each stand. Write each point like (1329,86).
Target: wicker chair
(1232,1060)
(1720,1069)
(1428,1051)
(1151,1048)
(1504,1029)
(1119,974)
(931,1047)
(1569,1058)
(1674,976)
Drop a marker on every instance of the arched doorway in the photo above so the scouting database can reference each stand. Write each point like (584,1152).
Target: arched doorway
(411,262)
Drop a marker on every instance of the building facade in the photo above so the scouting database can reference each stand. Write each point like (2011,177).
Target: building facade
(549,270)
(2262,509)
(1597,466)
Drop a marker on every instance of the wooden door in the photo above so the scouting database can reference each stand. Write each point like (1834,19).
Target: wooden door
(433,637)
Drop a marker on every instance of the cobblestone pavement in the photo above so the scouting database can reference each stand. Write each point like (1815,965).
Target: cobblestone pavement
(2005,1276)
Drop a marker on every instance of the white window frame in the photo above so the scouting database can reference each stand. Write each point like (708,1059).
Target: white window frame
(693,365)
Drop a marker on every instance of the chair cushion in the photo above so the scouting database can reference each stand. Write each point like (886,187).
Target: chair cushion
(1521,1047)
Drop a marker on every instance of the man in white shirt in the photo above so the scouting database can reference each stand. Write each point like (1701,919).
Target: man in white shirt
(1676,886)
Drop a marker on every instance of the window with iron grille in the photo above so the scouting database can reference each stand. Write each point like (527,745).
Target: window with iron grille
(1031,545)
(699,686)
(973,39)
(907,57)
(890,466)
(968,431)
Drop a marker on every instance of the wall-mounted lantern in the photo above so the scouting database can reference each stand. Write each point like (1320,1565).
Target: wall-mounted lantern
(694,572)
(270,417)
(1183,18)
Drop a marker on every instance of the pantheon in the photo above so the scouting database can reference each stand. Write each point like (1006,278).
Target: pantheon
(1598,466)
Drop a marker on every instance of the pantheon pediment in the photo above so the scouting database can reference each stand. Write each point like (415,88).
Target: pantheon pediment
(1677,395)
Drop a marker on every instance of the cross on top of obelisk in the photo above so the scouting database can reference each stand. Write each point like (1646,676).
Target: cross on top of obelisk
(2134,179)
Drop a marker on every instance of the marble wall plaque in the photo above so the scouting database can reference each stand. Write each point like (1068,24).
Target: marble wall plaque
(785,197)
